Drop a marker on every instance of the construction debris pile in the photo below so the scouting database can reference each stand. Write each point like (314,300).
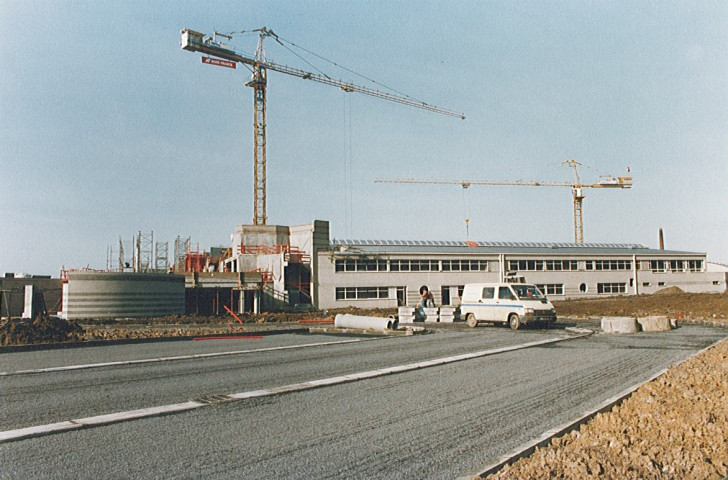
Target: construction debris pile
(671,428)
(49,330)
(152,331)
(43,329)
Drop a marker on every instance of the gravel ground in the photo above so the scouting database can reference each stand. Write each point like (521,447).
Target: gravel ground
(674,427)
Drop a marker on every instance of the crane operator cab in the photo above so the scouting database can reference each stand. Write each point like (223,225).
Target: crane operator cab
(513,304)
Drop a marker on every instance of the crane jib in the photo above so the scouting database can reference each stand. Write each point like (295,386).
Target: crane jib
(196,42)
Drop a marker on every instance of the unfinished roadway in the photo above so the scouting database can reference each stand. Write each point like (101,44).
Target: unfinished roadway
(457,400)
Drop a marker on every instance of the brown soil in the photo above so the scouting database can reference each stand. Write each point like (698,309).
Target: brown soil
(41,330)
(672,302)
(54,330)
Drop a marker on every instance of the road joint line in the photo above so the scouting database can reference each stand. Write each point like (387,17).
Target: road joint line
(178,357)
(118,417)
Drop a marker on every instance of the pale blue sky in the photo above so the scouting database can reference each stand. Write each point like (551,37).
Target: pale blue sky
(108,127)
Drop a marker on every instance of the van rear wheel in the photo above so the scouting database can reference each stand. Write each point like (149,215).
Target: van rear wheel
(471,321)
(514,321)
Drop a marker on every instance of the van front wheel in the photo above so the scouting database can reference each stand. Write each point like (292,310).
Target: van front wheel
(471,321)
(514,321)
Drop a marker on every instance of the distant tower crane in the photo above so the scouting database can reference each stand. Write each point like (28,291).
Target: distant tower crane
(576,189)
(198,42)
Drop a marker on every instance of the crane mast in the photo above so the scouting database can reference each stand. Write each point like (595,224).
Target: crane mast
(198,42)
(576,189)
(577,193)
(258,83)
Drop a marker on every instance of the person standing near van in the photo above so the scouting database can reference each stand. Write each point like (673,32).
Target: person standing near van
(426,299)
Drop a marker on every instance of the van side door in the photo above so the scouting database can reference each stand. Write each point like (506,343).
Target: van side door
(486,304)
(504,304)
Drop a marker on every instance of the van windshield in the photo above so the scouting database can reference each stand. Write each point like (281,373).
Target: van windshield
(527,292)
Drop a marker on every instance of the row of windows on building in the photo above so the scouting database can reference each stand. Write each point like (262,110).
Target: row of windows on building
(657,266)
(368,293)
(363,293)
(676,265)
(379,265)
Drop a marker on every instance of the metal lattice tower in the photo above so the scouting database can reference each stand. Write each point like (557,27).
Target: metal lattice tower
(109,258)
(161,256)
(144,252)
(258,83)
(181,247)
(124,262)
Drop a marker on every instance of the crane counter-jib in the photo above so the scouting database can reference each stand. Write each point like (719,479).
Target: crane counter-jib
(195,42)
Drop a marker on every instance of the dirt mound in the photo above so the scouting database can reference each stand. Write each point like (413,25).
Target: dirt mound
(670,302)
(40,330)
(669,291)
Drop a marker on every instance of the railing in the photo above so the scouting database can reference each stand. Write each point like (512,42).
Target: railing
(291,253)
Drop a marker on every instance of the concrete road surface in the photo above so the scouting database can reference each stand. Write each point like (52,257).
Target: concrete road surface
(439,420)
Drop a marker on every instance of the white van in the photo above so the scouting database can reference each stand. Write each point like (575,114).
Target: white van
(515,303)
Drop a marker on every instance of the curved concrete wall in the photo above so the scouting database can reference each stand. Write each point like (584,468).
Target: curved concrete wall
(121,295)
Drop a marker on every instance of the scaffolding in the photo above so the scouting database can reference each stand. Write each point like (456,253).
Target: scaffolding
(144,252)
(110,267)
(126,263)
(195,260)
(161,256)
(181,247)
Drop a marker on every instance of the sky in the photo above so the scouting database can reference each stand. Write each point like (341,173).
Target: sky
(109,128)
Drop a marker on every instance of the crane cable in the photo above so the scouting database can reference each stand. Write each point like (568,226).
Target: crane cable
(280,40)
(466,211)
(341,67)
(277,39)
(348,169)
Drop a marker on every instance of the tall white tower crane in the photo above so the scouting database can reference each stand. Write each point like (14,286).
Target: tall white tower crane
(198,42)
(576,189)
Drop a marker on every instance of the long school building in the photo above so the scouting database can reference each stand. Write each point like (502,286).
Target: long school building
(389,273)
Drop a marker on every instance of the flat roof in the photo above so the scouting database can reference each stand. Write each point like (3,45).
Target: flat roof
(464,247)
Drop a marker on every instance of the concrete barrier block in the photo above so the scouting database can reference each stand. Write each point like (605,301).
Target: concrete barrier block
(406,314)
(447,314)
(431,314)
(619,325)
(654,324)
